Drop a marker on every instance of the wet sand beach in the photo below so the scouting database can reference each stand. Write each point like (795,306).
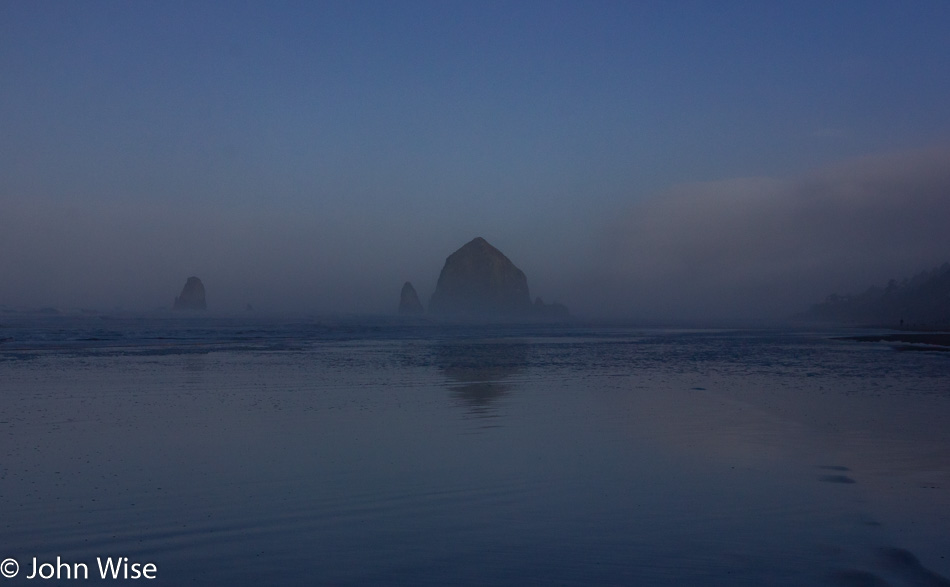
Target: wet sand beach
(246,453)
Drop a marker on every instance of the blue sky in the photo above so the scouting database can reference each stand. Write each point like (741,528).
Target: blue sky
(316,154)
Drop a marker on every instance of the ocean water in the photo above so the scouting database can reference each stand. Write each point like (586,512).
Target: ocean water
(247,451)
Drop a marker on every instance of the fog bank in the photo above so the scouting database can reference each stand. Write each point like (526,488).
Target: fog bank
(761,248)
(736,250)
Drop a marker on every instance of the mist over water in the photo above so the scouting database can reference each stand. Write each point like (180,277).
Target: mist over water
(649,162)
(739,249)
(761,248)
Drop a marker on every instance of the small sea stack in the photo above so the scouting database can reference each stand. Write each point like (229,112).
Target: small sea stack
(192,296)
(409,304)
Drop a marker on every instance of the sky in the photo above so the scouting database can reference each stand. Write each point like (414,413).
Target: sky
(649,160)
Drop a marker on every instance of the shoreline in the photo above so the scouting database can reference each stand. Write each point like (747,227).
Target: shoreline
(935,341)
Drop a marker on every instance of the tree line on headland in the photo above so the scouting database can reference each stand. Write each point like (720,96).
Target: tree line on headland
(921,302)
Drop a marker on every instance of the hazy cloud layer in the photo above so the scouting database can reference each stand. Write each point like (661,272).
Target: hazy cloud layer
(746,249)
(759,248)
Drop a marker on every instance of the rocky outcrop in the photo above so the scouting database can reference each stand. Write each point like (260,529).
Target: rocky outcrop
(549,311)
(192,296)
(409,303)
(478,281)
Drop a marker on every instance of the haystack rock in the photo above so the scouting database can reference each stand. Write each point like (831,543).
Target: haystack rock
(409,303)
(478,281)
(192,296)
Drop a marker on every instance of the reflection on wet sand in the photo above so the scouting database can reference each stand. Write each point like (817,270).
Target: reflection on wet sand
(478,372)
(900,566)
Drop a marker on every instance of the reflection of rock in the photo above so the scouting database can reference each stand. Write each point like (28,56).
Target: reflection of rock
(477,370)
(409,301)
(479,281)
(904,563)
(192,296)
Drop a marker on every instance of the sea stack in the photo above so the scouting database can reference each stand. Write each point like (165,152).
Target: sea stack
(479,281)
(409,303)
(192,296)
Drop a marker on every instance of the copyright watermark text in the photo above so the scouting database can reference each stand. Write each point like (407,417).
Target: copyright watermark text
(112,567)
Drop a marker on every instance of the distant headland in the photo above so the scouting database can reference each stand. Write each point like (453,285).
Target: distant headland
(921,303)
